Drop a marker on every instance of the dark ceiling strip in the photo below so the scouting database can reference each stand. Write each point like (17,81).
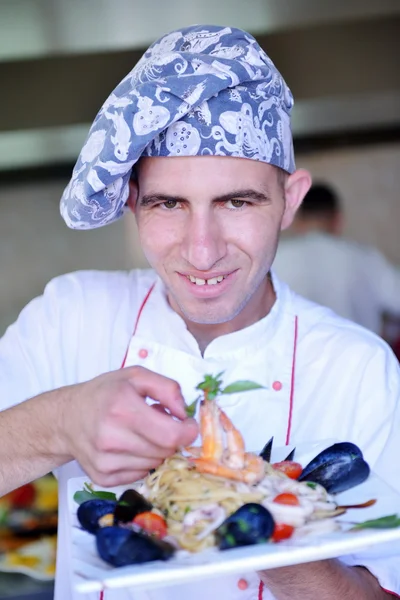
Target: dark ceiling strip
(332,59)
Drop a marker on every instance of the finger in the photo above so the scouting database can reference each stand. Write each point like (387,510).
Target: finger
(109,463)
(161,429)
(119,478)
(124,441)
(160,408)
(166,391)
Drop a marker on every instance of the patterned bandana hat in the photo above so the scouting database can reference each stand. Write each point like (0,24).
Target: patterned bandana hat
(203,90)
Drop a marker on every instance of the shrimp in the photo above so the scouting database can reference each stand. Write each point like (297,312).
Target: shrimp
(231,462)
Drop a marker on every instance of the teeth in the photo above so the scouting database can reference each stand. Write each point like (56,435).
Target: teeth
(196,280)
(212,281)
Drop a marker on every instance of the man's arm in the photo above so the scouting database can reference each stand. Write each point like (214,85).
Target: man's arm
(325,580)
(104,423)
(30,443)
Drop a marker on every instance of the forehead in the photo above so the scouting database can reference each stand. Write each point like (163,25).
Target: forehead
(209,175)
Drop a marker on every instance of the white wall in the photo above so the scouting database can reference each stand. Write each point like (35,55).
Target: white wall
(368,181)
(36,245)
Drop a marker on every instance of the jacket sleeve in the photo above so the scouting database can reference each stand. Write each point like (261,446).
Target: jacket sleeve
(32,349)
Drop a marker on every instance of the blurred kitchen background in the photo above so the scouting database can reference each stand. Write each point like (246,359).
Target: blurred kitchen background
(59,59)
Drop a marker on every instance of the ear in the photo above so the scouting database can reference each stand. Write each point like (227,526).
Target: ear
(296,187)
(133,195)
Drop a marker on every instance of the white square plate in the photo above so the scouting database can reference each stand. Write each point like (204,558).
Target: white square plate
(90,573)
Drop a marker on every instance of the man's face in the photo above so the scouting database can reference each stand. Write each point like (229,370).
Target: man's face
(209,226)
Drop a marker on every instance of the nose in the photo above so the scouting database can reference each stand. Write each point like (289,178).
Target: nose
(204,242)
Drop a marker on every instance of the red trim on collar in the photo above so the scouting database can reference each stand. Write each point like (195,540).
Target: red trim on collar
(391,593)
(260,590)
(292,383)
(289,425)
(137,321)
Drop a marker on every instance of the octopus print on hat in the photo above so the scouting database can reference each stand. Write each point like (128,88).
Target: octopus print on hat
(203,90)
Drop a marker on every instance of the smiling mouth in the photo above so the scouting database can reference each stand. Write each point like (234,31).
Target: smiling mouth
(211,281)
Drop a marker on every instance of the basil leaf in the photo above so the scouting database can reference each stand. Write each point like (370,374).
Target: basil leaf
(241,386)
(105,495)
(190,409)
(389,522)
(89,494)
(82,496)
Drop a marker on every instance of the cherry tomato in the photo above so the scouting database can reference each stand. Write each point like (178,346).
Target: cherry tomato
(152,523)
(22,497)
(288,499)
(290,468)
(282,532)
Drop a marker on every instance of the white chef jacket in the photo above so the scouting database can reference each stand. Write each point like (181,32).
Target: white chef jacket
(324,378)
(355,281)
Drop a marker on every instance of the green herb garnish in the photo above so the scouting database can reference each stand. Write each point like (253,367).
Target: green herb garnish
(211,386)
(389,522)
(88,493)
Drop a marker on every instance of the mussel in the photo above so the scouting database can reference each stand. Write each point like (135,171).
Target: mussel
(130,504)
(337,468)
(250,524)
(120,547)
(266,451)
(90,512)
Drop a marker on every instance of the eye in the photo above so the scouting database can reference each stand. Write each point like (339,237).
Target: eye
(236,203)
(170,204)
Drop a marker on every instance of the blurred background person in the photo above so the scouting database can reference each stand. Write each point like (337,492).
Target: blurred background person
(354,280)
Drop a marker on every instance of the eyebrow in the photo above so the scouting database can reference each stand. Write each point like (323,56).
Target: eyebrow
(255,196)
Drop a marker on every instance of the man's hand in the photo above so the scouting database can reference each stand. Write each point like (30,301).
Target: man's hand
(325,580)
(116,437)
(105,424)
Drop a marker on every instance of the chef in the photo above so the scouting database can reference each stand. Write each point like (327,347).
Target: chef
(196,141)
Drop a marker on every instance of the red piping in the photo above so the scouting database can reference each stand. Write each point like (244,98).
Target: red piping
(391,593)
(137,322)
(289,425)
(292,383)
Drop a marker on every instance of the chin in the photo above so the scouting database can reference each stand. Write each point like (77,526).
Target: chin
(208,317)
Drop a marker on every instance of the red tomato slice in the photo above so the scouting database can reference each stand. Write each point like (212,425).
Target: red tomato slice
(288,499)
(152,523)
(282,532)
(290,468)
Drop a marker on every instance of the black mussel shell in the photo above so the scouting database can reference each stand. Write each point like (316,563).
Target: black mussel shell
(130,504)
(91,511)
(250,524)
(120,547)
(291,454)
(266,451)
(337,468)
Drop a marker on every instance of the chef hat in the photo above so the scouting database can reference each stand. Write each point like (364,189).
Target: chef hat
(203,90)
